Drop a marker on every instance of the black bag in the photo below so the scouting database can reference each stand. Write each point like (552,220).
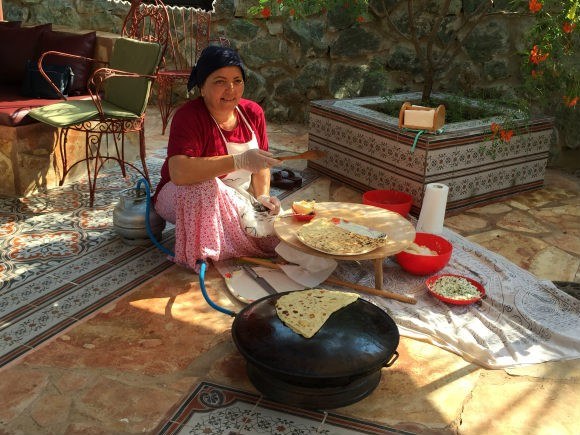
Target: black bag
(36,86)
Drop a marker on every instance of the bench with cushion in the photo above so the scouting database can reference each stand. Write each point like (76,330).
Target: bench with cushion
(29,158)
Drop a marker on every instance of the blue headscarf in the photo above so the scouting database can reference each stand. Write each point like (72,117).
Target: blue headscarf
(213,58)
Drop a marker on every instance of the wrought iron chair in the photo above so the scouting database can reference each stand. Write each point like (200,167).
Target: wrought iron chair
(181,56)
(189,34)
(119,96)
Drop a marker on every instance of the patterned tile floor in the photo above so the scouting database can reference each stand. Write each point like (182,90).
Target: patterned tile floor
(127,366)
(62,260)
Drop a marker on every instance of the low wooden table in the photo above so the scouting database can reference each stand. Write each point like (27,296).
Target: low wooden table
(400,232)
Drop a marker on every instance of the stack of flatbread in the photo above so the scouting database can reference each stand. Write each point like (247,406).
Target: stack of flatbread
(327,236)
(305,312)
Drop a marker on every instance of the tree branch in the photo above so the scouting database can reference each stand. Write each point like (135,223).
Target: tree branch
(470,23)
(392,25)
(413,31)
(433,34)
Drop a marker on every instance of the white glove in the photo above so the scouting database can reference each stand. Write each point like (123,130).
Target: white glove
(254,160)
(271,203)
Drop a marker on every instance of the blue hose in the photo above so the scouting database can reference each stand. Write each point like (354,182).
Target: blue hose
(202,267)
(202,263)
(147,213)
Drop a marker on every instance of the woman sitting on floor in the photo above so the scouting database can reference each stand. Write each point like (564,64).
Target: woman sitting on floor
(217,167)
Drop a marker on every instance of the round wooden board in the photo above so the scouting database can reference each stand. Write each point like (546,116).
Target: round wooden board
(400,232)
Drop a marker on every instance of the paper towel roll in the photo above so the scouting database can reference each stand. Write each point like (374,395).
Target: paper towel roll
(433,209)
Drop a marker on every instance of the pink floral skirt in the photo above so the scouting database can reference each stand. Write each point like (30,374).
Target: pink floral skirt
(207,225)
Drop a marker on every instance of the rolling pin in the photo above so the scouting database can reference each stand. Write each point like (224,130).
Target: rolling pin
(336,281)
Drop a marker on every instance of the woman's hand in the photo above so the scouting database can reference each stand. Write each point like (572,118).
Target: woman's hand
(255,160)
(271,203)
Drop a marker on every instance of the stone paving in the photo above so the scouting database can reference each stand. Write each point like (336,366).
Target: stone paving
(123,370)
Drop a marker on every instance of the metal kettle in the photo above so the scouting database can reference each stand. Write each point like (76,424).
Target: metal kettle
(129,218)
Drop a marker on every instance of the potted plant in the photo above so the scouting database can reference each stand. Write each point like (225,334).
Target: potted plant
(501,152)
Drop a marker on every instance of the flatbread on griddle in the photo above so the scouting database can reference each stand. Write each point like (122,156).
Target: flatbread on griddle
(305,312)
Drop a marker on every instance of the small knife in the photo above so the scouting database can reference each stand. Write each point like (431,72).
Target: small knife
(263,283)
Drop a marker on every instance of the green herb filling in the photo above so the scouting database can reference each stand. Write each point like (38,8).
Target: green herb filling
(455,288)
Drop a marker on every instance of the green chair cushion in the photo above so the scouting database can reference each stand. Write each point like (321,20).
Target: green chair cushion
(125,97)
(134,56)
(71,113)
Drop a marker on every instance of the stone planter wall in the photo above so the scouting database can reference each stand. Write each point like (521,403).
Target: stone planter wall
(367,150)
(31,160)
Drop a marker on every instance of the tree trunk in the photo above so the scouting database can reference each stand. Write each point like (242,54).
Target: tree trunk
(427,87)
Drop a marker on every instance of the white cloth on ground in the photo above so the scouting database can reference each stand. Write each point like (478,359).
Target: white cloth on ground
(522,320)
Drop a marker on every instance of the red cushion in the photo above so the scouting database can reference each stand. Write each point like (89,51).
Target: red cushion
(81,45)
(17,45)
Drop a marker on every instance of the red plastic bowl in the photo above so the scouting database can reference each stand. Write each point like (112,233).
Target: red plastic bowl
(477,285)
(394,200)
(426,264)
(303,217)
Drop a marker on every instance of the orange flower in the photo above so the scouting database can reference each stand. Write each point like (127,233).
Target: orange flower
(569,101)
(360,19)
(506,135)
(535,6)
(292,12)
(536,55)
(495,128)
(266,12)
(567,27)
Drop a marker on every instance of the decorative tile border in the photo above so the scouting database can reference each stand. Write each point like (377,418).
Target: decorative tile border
(217,409)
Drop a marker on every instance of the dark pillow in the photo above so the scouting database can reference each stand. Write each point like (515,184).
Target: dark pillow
(81,45)
(10,24)
(17,45)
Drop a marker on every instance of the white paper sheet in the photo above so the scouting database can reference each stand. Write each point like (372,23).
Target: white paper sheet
(244,288)
(308,270)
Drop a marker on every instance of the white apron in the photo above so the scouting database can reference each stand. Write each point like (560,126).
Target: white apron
(239,179)
(254,223)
